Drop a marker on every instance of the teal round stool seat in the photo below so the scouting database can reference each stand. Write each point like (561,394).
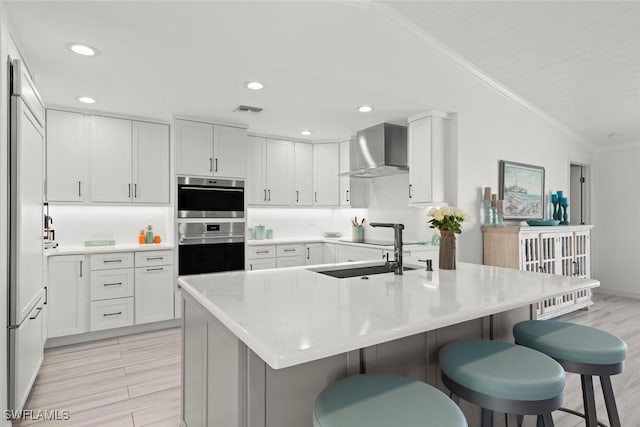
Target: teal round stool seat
(376,400)
(503,377)
(583,350)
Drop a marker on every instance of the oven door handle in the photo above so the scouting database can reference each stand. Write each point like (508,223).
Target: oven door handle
(209,240)
(235,190)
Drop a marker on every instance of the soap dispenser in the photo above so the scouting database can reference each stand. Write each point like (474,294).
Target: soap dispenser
(149,234)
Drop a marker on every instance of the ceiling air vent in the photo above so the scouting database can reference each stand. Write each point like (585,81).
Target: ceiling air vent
(247,109)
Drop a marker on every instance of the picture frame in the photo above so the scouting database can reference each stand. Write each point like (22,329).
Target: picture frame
(521,186)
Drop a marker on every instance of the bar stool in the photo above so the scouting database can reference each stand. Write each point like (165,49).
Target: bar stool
(376,400)
(503,377)
(582,350)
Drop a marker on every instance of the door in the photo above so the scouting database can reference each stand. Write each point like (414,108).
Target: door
(326,167)
(67,297)
(256,184)
(345,181)
(150,162)
(229,147)
(26,211)
(194,148)
(302,174)
(66,142)
(111,166)
(154,288)
(314,253)
(278,169)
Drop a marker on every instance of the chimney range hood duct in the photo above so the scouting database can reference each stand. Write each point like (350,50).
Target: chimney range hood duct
(380,150)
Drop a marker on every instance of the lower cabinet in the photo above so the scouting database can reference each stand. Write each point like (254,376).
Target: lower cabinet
(346,253)
(261,264)
(154,294)
(314,253)
(116,290)
(67,295)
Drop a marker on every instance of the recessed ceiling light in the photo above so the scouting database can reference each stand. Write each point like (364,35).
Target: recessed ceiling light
(254,85)
(365,108)
(82,49)
(86,100)
(306,132)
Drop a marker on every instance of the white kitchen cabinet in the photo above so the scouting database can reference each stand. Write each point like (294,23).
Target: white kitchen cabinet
(289,261)
(208,149)
(302,174)
(269,171)
(111,313)
(429,159)
(111,163)
(154,292)
(330,253)
(314,253)
(347,253)
(260,264)
(326,166)
(67,295)
(66,157)
(150,162)
(353,191)
(28,349)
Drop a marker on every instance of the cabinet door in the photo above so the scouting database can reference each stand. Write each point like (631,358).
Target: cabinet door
(111,170)
(345,181)
(67,298)
(529,252)
(261,264)
(302,174)
(256,185)
(194,357)
(194,148)
(326,182)
(582,254)
(150,162)
(314,253)
(289,261)
(278,169)
(66,142)
(565,254)
(420,161)
(347,253)
(229,146)
(154,291)
(330,253)
(549,253)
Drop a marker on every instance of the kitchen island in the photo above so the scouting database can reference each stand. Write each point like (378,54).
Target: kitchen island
(258,346)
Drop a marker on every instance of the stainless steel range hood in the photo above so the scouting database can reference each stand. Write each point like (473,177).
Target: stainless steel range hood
(380,150)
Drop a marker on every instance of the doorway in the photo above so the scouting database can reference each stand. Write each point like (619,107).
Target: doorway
(579,191)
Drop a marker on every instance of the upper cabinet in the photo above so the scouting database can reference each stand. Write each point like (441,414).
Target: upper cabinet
(429,137)
(353,191)
(66,157)
(269,171)
(129,160)
(207,149)
(302,174)
(326,166)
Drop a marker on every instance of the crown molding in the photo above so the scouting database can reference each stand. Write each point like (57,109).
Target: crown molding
(402,21)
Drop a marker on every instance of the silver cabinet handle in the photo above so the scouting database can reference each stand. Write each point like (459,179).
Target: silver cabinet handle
(347,195)
(410,191)
(289,250)
(38,311)
(265,195)
(80,268)
(112,284)
(308,254)
(269,198)
(112,314)
(155,269)
(107,261)
(297,196)
(79,188)
(210,164)
(135,191)
(216,167)
(262,252)
(155,258)
(129,190)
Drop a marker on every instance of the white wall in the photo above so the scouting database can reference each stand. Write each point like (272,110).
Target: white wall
(74,224)
(614,244)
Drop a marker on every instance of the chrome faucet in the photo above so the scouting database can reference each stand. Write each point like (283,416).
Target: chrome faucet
(397,244)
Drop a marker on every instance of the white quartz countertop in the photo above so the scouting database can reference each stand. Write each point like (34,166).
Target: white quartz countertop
(293,315)
(85,250)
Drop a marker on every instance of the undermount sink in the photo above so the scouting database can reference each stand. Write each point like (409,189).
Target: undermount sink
(344,273)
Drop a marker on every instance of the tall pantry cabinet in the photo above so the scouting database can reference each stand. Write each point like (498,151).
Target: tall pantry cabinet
(560,250)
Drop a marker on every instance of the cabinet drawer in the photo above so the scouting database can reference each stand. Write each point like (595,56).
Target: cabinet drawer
(257,252)
(151,258)
(108,284)
(113,313)
(289,261)
(114,260)
(260,264)
(290,250)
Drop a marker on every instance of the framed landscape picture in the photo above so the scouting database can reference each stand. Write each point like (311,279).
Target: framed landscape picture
(522,189)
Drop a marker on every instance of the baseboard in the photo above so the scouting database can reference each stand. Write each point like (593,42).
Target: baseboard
(111,333)
(616,292)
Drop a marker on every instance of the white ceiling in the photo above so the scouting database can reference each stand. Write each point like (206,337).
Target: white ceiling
(577,61)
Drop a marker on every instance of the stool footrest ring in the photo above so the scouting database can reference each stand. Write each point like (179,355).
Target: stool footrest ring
(579,414)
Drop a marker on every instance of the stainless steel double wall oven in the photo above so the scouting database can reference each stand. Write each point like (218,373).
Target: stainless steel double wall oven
(211,225)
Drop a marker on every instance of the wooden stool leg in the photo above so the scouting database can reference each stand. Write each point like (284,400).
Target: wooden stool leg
(589,401)
(487,418)
(610,401)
